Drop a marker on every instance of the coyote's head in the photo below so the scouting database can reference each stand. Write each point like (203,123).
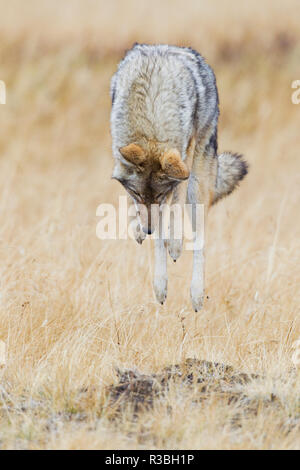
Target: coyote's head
(149,176)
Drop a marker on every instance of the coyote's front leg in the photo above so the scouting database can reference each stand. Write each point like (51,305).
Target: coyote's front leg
(160,270)
(134,222)
(179,197)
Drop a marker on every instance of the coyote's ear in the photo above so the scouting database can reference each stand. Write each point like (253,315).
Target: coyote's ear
(133,153)
(173,166)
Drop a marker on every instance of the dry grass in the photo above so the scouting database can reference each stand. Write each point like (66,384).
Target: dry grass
(73,307)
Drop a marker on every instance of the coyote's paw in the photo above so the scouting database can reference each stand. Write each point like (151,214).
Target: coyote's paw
(197,296)
(175,248)
(137,231)
(161,288)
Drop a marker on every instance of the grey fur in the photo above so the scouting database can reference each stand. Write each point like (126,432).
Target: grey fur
(163,93)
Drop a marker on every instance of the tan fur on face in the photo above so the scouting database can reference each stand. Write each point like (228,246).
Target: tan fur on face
(133,153)
(173,166)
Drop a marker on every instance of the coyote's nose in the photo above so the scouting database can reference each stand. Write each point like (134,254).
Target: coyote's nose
(147,230)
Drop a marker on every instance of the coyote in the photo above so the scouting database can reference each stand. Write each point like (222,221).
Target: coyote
(164,120)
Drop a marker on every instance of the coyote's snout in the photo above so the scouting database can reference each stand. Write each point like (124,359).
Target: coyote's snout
(164,128)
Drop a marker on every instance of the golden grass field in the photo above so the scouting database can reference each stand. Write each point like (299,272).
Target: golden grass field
(73,307)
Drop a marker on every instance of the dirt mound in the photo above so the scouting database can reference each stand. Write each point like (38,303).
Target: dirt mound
(204,378)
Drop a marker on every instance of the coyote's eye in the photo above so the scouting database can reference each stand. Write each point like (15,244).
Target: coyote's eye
(165,192)
(160,195)
(135,194)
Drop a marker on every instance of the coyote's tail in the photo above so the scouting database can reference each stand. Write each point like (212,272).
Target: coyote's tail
(231,170)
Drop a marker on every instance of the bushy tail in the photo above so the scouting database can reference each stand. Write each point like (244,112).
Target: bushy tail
(231,170)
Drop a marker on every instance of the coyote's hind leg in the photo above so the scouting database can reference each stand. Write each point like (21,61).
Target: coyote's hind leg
(201,192)
(197,284)
(160,283)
